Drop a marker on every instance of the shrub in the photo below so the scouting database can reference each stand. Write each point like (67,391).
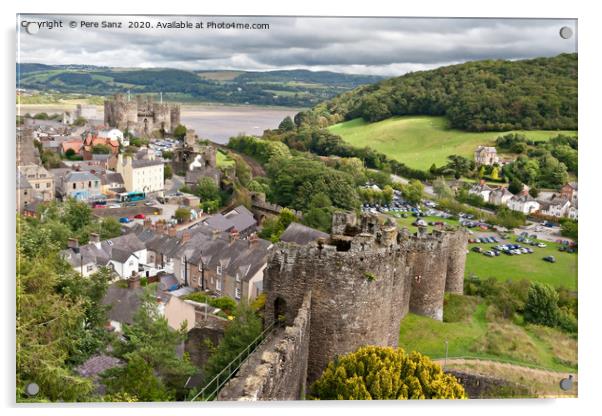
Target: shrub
(542,305)
(385,373)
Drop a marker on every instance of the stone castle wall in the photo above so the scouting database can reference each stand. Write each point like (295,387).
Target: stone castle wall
(279,370)
(364,280)
(141,114)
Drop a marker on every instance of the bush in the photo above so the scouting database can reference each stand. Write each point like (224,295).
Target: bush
(542,305)
(385,373)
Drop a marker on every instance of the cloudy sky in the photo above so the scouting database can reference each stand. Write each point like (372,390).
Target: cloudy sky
(379,46)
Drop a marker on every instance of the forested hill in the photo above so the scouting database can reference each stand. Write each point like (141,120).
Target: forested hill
(476,96)
(296,88)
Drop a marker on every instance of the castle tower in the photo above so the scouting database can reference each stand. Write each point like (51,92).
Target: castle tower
(174,116)
(456,262)
(363,282)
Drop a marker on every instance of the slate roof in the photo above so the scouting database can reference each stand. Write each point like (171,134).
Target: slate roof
(301,234)
(79,176)
(97,364)
(239,218)
(22,182)
(124,303)
(118,249)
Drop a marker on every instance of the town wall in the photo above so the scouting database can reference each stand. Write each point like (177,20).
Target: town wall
(278,371)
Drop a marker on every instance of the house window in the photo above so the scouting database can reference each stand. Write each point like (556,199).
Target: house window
(218,284)
(37,186)
(47,185)
(219,270)
(89,268)
(237,293)
(73,185)
(131,262)
(89,184)
(237,277)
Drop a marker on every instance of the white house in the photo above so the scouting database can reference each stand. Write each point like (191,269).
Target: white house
(143,173)
(114,134)
(523,203)
(124,255)
(500,196)
(482,190)
(556,207)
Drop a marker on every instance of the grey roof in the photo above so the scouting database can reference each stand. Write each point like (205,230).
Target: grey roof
(80,177)
(97,364)
(241,217)
(301,234)
(111,177)
(210,248)
(117,249)
(124,303)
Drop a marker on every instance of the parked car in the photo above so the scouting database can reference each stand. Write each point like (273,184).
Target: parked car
(550,259)
(140,216)
(489,253)
(124,220)
(541,245)
(477,249)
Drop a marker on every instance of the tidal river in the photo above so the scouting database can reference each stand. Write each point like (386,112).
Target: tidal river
(210,121)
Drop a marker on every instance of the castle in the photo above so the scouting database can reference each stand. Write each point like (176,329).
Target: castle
(142,115)
(343,292)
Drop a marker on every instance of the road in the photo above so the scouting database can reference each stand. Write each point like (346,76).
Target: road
(174,184)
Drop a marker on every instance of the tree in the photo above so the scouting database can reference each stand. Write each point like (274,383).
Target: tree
(569,228)
(385,373)
(287,124)
(206,189)
(515,186)
(80,121)
(101,149)
(77,214)
(412,192)
(238,335)
(458,166)
(167,171)
(442,189)
(151,346)
(542,305)
(69,153)
(179,132)
(182,214)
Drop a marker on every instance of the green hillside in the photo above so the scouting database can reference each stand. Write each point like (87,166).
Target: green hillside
(474,96)
(420,141)
(299,88)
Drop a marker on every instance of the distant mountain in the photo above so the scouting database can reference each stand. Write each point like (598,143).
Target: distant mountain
(476,96)
(300,88)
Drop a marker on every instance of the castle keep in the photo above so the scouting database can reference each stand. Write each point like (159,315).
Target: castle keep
(141,115)
(353,289)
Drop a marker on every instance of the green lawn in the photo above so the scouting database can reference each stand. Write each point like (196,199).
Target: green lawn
(407,222)
(478,337)
(528,266)
(420,141)
(223,160)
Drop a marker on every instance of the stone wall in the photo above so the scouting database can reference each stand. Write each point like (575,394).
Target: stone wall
(278,369)
(479,386)
(364,280)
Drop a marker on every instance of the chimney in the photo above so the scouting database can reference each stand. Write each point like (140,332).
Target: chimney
(214,234)
(252,239)
(185,236)
(148,223)
(233,236)
(134,281)
(481,181)
(172,231)
(95,238)
(73,243)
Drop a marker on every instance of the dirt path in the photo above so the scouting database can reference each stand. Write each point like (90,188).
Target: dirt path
(544,383)
(256,168)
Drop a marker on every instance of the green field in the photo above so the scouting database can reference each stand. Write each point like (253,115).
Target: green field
(223,160)
(527,266)
(480,335)
(420,141)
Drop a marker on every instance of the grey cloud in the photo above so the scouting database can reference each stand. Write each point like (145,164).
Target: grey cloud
(384,46)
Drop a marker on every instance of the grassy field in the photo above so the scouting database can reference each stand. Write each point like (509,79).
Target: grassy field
(475,333)
(420,141)
(223,160)
(527,266)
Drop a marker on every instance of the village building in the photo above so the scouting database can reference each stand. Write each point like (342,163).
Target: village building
(523,203)
(569,191)
(41,181)
(482,190)
(141,173)
(24,192)
(500,196)
(486,155)
(81,185)
(238,220)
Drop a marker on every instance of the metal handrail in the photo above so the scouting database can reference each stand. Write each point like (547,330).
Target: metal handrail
(233,366)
